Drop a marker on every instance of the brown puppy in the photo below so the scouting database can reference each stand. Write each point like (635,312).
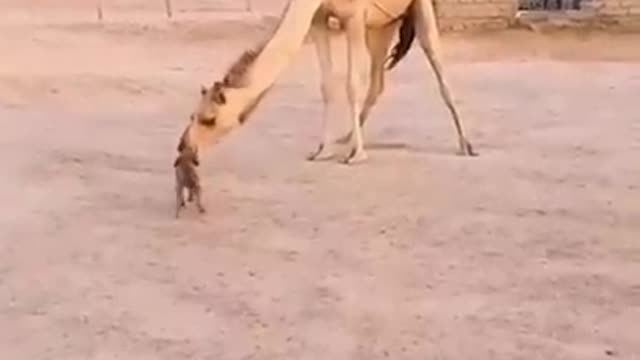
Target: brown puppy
(187,178)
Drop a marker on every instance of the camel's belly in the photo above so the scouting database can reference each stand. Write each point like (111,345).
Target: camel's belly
(379,12)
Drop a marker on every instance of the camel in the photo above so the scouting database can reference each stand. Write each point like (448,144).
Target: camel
(369,26)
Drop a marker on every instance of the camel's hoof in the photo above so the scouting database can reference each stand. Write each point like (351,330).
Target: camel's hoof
(466,149)
(322,153)
(355,157)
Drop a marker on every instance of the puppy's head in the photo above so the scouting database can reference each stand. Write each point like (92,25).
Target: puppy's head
(186,157)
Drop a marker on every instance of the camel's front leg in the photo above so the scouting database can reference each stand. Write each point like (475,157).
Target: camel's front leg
(321,38)
(357,82)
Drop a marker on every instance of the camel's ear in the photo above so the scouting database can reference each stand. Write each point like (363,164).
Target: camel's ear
(203,90)
(220,98)
(218,93)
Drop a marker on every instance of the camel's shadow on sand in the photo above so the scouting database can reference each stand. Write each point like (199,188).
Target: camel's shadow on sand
(410,148)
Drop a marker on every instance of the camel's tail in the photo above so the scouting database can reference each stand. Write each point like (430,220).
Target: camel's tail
(407,34)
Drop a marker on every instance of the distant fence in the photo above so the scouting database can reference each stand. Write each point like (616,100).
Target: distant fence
(169,7)
(549,4)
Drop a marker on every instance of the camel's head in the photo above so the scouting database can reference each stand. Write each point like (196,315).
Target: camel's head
(223,106)
(211,119)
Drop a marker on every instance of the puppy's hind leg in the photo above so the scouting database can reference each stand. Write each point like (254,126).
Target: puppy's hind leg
(197,192)
(179,200)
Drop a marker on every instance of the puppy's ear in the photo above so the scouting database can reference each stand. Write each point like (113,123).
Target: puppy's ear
(176,161)
(194,158)
(203,90)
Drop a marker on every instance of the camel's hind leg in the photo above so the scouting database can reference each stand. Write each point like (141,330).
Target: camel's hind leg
(378,42)
(358,72)
(429,38)
(322,39)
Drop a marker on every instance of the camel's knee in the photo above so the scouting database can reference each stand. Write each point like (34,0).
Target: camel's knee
(358,87)
(372,97)
(329,88)
(356,95)
(377,90)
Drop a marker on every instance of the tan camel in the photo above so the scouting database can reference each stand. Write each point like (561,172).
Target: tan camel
(369,26)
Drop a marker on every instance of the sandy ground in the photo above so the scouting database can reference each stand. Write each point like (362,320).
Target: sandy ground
(530,251)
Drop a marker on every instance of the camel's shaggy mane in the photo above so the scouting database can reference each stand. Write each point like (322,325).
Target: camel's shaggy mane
(236,76)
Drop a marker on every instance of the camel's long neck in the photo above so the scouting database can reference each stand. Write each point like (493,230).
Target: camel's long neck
(277,53)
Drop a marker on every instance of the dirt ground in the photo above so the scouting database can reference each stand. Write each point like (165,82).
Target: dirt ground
(529,251)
